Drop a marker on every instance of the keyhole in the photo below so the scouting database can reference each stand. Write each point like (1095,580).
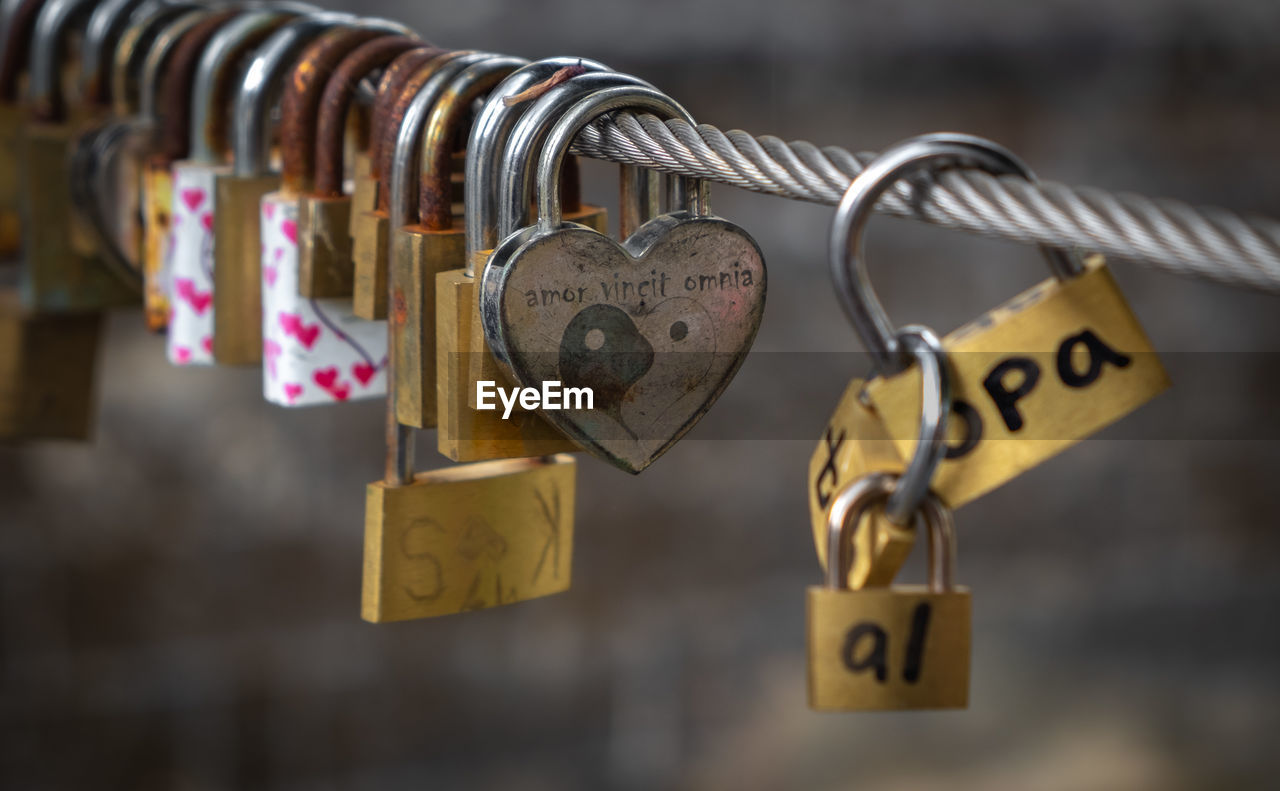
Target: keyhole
(594,339)
(679,331)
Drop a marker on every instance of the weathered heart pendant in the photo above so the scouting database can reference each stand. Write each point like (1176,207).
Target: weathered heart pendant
(655,328)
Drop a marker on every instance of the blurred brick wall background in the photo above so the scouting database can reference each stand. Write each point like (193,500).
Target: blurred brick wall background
(179,600)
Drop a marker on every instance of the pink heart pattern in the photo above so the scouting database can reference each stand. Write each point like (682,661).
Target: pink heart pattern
(189,266)
(316,351)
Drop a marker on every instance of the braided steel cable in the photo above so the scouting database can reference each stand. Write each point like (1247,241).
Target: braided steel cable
(1210,243)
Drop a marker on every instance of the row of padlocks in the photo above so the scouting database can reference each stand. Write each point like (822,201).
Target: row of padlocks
(409,226)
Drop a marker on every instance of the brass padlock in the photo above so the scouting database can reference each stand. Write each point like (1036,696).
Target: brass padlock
(429,241)
(18,22)
(169,71)
(324,210)
(1031,378)
(888,648)
(468,537)
(237,234)
(60,273)
(503,142)
(371,230)
(364,194)
(47,367)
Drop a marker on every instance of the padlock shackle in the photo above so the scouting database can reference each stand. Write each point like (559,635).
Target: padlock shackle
(217,72)
(48,47)
(444,127)
(156,25)
(300,106)
(935,411)
(573,121)
(410,132)
(261,87)
(393,120)
(106,23)
(390,86)
(19,26)
(339,92)
(926,153)
(516,177)
(173,139)
(157,58)
(488,140)
(851,503)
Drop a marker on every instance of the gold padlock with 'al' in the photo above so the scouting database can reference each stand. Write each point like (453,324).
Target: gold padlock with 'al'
(1031,378)
(888,648)
(468,537)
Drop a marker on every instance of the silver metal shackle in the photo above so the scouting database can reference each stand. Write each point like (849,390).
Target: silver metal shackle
(935,410)
(47,45)
(157,58)
(488,139)
(908,158)
(106,22)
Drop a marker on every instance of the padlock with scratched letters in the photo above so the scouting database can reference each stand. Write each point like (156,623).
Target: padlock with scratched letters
(371,226)
(1031,378)
(192,258)
(427,240)
(654,328)
(315,351)
(61,273)
(324,210)
(888,648)
(237,235)
(503,140)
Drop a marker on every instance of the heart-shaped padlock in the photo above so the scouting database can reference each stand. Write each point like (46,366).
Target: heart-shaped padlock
(653,328)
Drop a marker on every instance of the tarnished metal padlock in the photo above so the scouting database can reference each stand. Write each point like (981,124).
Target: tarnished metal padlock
(371,229)
(654,328)
(468,537)
(47,365)
(324,210)
(60,273)
(427,241)
(315,351)
(1031,378)
(191,259)
(19,21)
(237,235)
(502,145)
(888,648)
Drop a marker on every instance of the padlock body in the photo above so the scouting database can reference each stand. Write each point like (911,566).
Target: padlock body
(191,261)
(56,277)
(369,264)
(10,211)
(419,256)
(1029,380)
(883,649)
(314,350)
(468,538)
(157,213)
(47,367)
(464,433)
(324,247)
(854,443)
(237,270)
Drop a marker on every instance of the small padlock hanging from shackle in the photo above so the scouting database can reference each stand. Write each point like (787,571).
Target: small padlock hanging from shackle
(1047,369)
(315,351)
(653,328)
(503,143)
